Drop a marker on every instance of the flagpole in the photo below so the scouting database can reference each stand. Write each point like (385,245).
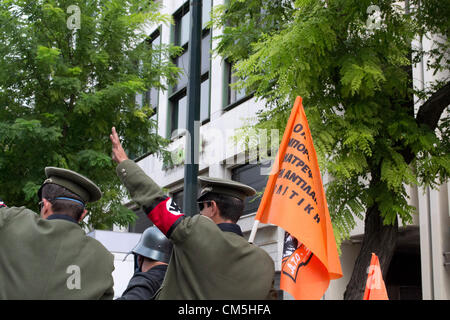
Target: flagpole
(253,232)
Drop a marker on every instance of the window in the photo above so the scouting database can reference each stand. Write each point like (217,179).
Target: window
(178,197)
(178,96)
(250,174)
(232,95)
(183,18)
(142,222)
(150,97)
(152,93)
(204,101)
(178,117)
(206,12)
(183,63)
(182,26)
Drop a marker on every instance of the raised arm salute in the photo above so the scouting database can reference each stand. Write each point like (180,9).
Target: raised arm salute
(211,259)
(161,209)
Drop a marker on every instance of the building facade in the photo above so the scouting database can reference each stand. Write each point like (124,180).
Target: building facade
(420,268)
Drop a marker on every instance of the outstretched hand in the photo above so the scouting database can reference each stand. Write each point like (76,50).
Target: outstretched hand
(118,154)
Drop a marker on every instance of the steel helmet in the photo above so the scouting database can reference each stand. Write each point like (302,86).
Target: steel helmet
(154,245)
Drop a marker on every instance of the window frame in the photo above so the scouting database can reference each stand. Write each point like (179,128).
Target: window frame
(177,92)
(227,78)
(148,94)
(262,182)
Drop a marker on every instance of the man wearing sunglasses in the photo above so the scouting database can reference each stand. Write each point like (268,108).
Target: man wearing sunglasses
(48,255)
(211,259)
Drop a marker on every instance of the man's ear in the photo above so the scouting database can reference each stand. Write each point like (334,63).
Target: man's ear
(47,209)
(215,208)
(83,215)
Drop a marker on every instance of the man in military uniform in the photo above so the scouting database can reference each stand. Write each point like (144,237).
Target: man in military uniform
(211,259)
(49,256)
(152,254)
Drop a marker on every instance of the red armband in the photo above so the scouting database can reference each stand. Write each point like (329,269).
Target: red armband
(165,214)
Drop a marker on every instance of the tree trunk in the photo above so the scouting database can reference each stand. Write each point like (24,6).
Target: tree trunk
(379,239)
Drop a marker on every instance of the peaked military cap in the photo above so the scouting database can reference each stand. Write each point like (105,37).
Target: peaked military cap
(87,190)
(224,186)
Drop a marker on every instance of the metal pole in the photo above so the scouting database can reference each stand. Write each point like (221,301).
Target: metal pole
(253,232)
(193,111)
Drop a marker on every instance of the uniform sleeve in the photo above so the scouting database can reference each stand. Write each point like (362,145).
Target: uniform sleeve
(160,209)
(8,214)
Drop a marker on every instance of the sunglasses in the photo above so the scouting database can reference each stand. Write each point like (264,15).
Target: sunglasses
(201,205)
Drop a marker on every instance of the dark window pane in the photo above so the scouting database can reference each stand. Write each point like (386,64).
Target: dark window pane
(148,98)
(178,117)
(153,98)
(182,27)
(174,118)
(182,110)
(179,195)
(156,42)
(183,63)
(178,198)
(233,94)
(141,223)
(206,12)
(204,100)
(139,99)
(154,118)
(206,55)
(185,27)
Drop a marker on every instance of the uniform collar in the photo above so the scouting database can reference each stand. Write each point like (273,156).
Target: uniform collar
(230,227)
(62,217)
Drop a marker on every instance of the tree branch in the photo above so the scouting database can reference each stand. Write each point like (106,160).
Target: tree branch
(431,111)
(429,114)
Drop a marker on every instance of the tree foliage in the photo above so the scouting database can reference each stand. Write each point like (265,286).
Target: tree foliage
(62,89)
(357,88)
(375,129)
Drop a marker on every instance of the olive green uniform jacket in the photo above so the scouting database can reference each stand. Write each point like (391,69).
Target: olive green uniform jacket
(51,259)
(206,263)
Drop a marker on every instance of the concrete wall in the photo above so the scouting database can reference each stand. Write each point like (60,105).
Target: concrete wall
(119,244)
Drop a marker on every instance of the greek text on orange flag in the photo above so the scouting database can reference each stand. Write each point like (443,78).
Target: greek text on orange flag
(375,287)
(294,199)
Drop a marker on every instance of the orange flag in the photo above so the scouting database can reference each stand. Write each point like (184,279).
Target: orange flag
(294,199)
(375,287)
